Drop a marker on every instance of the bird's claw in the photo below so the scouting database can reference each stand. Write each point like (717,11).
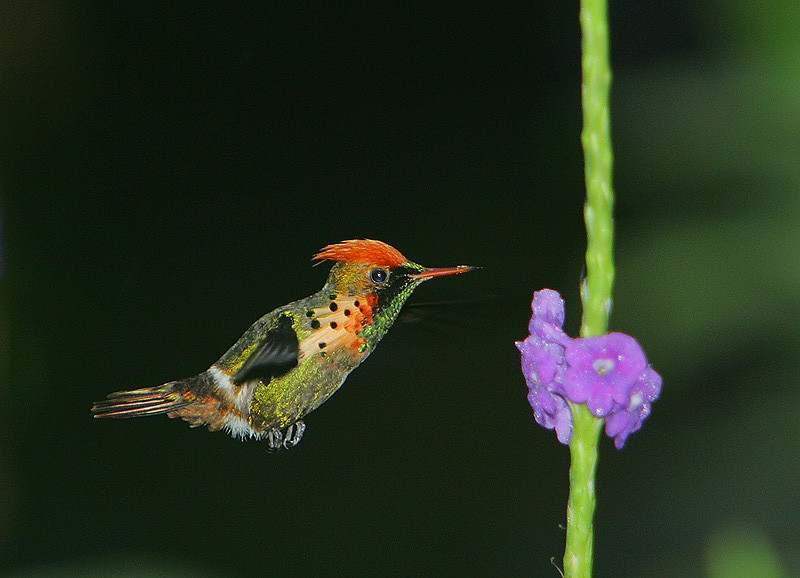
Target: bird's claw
(293,435)
(277,439)
(274,440)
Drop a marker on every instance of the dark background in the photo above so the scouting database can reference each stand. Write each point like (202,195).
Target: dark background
(168,170)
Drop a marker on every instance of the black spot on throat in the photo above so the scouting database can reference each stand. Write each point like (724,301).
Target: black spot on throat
(334,306)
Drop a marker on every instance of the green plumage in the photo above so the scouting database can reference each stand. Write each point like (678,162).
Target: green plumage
(295,357)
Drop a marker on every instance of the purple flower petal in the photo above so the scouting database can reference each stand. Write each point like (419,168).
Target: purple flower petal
(602,370)
(563,423)
(547,307)
(548,316)
(609,373)
(626,420)
(543,366)
(540,359)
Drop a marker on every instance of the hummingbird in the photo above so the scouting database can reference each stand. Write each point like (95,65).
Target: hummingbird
(289,362)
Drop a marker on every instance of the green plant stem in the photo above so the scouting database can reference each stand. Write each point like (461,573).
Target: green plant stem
(580,507)
(598,158)
(596,288)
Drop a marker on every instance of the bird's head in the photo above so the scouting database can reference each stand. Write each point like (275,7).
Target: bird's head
(364,266)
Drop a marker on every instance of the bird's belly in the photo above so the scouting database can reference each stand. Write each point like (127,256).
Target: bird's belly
(290,397)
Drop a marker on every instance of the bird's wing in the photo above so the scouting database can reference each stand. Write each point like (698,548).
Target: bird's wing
(273,356)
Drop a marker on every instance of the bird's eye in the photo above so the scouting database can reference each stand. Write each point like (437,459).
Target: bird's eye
(378,276)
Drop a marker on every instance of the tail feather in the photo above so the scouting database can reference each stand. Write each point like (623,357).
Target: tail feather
(197,400)
(141,402)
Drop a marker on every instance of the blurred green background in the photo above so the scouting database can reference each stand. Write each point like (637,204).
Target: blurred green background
(168,170)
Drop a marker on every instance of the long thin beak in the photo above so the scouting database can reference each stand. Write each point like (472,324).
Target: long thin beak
(441,271)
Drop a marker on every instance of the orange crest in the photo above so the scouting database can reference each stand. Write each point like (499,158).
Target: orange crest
(362,251)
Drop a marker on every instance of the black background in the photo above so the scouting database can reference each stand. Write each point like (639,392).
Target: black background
(169,169)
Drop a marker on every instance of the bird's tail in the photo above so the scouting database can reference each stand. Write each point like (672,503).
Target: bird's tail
(196,400)
(164,398)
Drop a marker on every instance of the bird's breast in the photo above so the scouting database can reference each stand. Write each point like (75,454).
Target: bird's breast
(336,326)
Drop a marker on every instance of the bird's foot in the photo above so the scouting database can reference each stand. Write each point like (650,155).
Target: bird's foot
(277,439)
(293,435)
(274,440)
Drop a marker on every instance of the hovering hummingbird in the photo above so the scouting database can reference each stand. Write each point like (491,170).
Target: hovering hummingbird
(294,358)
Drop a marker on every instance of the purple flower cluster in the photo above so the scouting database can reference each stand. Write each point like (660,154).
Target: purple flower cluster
(609,373)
